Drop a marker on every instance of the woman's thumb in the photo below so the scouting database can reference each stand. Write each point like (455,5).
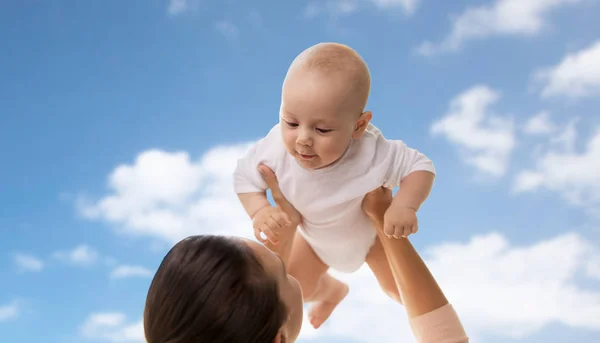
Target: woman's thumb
(262,169)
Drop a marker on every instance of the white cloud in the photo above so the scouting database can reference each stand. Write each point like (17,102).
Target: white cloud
(10,311)
(127,271)
(525,18)
(485,139)
(496,278)
(27,262)
(540,124)
(112,327)
(81,255)
(167,196)
(572,174)
(227,29)
(576,76)
(345,7)
(528,180)
(177,6)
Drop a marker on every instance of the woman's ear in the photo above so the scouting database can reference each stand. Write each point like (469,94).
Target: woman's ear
(280,338)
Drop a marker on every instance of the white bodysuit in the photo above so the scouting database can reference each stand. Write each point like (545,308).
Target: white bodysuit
(330,198)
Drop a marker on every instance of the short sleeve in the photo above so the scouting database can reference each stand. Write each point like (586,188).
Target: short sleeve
(403,161)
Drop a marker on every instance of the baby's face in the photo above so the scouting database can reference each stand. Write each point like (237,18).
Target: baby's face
(317,124)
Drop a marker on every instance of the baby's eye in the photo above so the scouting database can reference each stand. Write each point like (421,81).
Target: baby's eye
(291,124)
(323,130)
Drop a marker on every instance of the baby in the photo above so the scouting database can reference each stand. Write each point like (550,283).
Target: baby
(327,156)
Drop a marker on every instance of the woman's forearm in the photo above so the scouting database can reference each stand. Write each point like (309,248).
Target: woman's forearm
(432,318)
(418,288)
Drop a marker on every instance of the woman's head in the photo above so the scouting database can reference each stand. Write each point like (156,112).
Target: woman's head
(219,289)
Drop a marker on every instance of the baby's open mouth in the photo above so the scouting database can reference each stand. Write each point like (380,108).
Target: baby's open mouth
(306,157)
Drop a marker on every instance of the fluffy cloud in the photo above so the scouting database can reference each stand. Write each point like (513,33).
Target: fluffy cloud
(168,197)
(28,263)
(9,311)
(81,255)
(485,139)
(538,279)
(343,7)
(576,76)
(112,327)
(495,277)
(501,18)
(572,174)
(540,124)
(128,271)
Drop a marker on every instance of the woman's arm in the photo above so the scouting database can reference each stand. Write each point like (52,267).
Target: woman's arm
(286,236)
(432,318)
(419,290)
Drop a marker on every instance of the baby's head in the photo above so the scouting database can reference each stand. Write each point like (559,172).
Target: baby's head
(323,103)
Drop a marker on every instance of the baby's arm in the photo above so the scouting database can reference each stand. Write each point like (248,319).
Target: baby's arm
(415,174)
(414,190)
(266,219)
(251,188)
(253,202)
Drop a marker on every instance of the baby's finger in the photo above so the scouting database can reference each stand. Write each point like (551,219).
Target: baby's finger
(415,228)
(407,231)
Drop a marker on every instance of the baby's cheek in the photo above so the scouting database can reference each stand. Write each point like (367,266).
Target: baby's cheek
(336,148)
(288,140)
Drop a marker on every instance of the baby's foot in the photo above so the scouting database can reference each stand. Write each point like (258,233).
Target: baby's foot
(321,310)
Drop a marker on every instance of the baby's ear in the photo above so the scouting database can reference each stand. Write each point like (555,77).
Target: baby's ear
(361,124)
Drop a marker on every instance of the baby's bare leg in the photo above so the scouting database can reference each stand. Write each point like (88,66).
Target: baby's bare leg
(317,285)
(306,267)
(378,262)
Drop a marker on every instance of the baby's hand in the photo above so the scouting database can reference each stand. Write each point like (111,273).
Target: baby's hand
(400,221)
(268,221)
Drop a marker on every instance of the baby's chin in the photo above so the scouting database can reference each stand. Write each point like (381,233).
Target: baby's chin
(310,164)
(314,165)
(314,162)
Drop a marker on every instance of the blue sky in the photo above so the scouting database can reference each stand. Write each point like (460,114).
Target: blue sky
(120,123)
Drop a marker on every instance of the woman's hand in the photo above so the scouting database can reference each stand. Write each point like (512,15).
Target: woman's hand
(375,204)
(280,201)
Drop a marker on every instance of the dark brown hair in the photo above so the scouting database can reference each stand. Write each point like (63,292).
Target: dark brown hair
(212,289)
